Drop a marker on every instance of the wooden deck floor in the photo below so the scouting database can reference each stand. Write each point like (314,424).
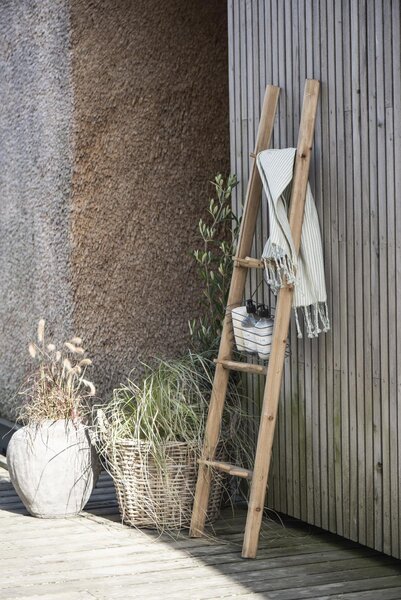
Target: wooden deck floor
(94,557)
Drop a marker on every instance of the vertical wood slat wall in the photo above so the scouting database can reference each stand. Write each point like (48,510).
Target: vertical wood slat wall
(337,451)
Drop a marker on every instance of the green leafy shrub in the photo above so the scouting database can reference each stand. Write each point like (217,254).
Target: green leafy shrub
(168,404)
(218,239)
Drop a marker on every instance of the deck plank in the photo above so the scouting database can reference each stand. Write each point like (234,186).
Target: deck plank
(95,557)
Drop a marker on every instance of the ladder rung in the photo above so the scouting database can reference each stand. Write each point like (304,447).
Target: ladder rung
(248,262)
(227,468)
(242,366)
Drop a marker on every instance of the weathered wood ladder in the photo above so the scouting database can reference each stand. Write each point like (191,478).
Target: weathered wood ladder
(242,262)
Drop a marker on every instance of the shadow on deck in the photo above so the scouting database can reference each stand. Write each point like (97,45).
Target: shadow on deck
(93,556)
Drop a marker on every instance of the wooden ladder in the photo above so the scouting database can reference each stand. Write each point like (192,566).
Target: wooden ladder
(224,363)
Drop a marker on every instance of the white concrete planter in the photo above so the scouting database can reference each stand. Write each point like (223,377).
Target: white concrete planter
(53,467)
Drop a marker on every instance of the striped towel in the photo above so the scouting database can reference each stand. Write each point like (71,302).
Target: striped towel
(305,271)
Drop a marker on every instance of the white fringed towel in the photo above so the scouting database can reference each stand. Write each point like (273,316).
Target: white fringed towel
(305,271)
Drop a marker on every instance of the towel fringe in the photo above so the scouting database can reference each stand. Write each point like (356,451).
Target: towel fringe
(299,332)
(312,314)
(279,271)
(324,315)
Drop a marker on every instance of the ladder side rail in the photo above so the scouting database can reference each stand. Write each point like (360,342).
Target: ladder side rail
(237,287)
(280,331)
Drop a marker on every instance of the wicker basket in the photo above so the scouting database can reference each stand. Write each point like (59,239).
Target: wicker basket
(155,495)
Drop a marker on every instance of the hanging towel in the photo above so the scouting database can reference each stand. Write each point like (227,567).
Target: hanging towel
(305,271)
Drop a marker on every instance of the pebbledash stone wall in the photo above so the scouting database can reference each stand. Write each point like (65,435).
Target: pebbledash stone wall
(113,118)
(36,113)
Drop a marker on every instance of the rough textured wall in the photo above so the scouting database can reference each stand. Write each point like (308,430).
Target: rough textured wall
(113,117)
(35,169)
(151,128)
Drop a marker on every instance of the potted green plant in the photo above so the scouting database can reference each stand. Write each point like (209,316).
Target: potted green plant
(53,465)
(150,435)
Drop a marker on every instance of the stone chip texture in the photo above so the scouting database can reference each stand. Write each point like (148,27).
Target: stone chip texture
(114,117)
(35,182)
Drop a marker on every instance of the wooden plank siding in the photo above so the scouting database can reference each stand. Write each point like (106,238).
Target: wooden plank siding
(337,450)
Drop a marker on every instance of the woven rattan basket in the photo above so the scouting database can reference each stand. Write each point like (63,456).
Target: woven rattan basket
(157,493)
